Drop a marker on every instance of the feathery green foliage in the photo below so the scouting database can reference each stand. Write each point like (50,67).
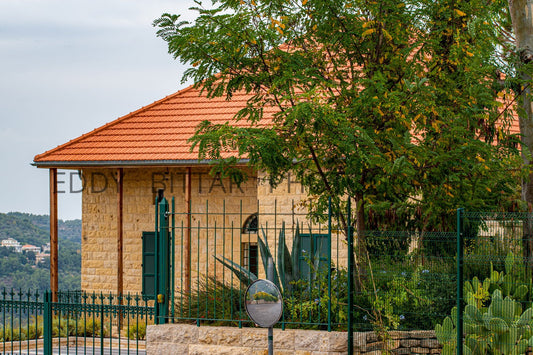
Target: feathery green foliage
(395,103)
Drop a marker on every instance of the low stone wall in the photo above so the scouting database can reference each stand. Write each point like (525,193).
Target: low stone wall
(185,339)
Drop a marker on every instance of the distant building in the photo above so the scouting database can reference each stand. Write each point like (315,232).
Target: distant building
(29,247)
(12,243)
(46,248)
(41,257)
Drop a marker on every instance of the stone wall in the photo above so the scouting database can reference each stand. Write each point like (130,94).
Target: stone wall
(192,340)
(226,204)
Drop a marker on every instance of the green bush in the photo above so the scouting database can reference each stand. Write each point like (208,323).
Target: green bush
(267,297)
(137,331)
(89,327)
(309,301)
(59,327)
(12,334)
(499,249)
(398,295)
(34,331)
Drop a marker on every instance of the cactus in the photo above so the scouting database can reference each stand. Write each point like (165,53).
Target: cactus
(494,320)
(500,328)
(506,281)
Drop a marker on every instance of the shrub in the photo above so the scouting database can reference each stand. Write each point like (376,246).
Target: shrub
(89,327)
(12,334)
(34,331)
(137,331)
(310,301)
(59,327)
(397,295)
(267,297)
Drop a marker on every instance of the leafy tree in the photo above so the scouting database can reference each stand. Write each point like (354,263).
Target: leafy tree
(30,255)
(393,102)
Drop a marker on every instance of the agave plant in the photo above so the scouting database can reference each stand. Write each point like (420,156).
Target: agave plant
(286,266)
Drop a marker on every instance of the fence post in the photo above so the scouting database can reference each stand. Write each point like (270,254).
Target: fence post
(270,277)
(350,279)
(102,324)
(47,323)
(163,263)
(172,259)
(329,264)
(459,301)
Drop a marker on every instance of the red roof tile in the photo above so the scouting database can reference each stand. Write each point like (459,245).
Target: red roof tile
(156,133)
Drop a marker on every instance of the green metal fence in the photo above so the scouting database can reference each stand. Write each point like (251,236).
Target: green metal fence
(78,323)
(400,280)
(495,265)
(208,245)
(404,280)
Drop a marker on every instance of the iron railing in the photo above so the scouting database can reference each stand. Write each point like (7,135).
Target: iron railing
(78,323)
(405,280)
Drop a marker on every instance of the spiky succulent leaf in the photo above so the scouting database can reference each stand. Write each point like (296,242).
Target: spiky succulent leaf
(284,262)
(265,255)
(296,251)
(244,275)
(317,262)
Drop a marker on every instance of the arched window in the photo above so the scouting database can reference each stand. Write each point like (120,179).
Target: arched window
(251,224)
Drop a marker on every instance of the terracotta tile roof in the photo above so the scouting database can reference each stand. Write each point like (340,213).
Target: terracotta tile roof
(154,134)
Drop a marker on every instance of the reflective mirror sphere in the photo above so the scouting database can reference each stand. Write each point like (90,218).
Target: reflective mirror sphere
(263,303)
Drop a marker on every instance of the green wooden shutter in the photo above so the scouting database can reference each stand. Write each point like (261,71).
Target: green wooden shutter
(148,265)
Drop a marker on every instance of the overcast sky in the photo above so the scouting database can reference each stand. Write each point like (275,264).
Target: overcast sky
(67,67)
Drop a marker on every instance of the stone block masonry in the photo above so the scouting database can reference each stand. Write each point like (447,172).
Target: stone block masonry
(186,339)
(99,227)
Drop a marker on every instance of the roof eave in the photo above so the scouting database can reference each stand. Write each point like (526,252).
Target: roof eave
(123,163)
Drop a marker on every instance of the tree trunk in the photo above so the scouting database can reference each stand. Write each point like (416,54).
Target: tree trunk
(522,19)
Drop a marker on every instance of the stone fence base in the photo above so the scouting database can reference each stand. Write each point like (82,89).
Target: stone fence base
(185,339)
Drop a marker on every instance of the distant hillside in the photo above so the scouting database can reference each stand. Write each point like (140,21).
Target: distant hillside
(35,229)
(19,270)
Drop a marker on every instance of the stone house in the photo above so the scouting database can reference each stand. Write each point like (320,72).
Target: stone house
(32,248)
(124,163)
